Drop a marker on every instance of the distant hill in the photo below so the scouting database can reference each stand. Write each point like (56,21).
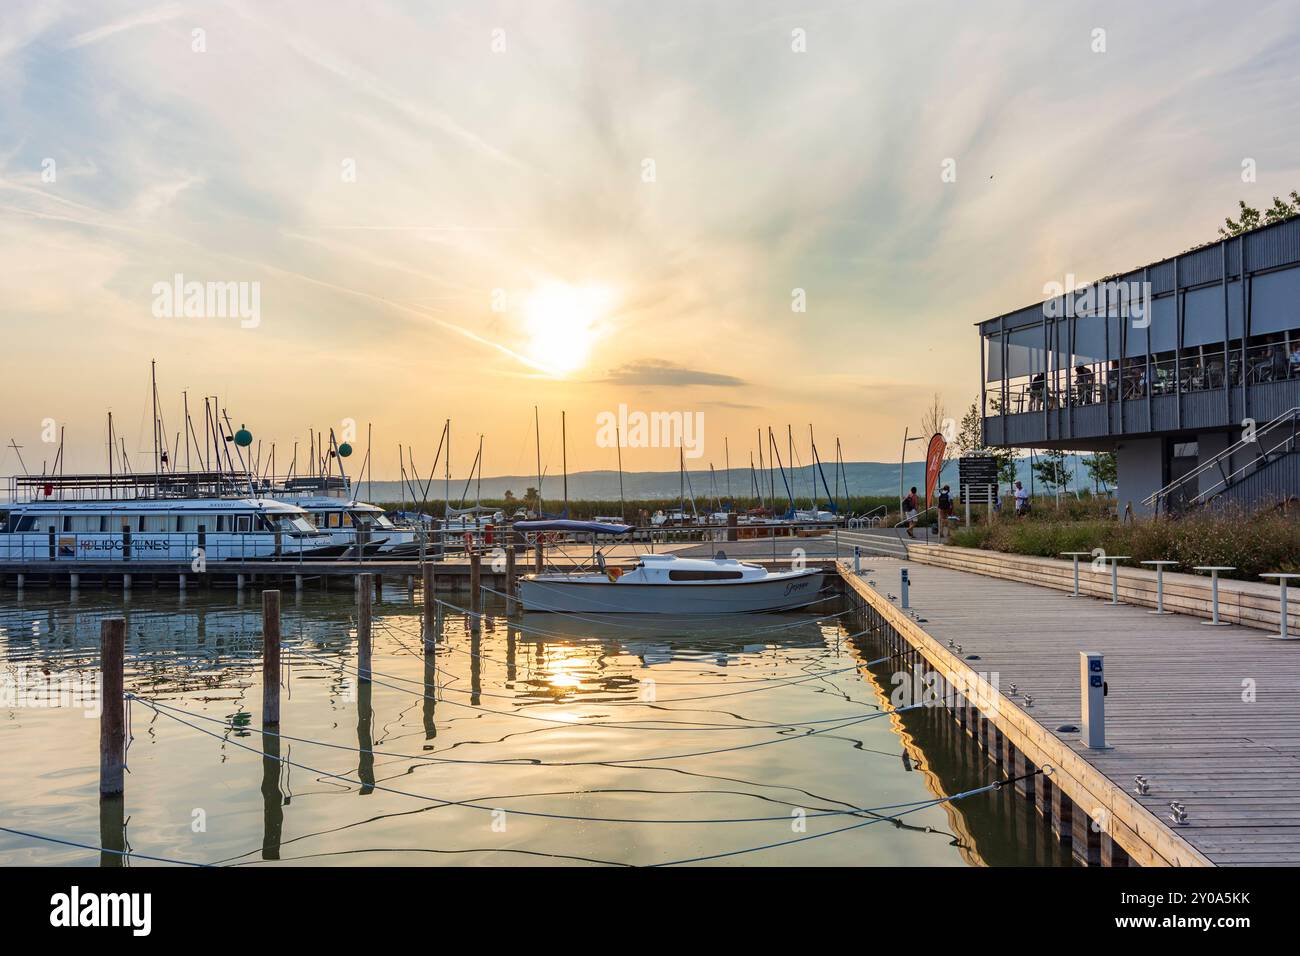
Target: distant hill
(872,478)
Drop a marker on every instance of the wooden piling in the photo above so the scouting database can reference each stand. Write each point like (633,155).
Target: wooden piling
(1085,839)
(1062,816)
(112,717)
(270,658)
(365,599)
(539,559)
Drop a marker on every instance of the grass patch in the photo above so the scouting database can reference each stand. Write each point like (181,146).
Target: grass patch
(1253,544)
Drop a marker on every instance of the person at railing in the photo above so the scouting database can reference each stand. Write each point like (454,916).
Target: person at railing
(1278,362)
(1084,380)
(1293,361)
(1036,386)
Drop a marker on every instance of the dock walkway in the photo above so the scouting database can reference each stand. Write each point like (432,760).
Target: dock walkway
(1210,716)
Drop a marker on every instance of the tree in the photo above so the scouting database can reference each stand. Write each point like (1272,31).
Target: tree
(935,420)
(531,501)
(1103,469)
(1251,218)
(1051,472)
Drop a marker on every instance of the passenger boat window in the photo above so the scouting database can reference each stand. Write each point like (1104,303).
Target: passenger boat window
(25,523)
(245,524)
(704,575)
(67,523)
(82,523)
(221,523)
(346,519)
(153,523)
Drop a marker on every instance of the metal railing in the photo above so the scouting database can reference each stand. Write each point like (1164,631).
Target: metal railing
(1253,440)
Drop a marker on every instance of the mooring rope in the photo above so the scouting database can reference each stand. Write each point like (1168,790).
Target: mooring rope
(769,684)
(156,705)
(393,629)
(612,725)
(98,849)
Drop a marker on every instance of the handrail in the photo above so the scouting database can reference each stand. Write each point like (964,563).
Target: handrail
(1155,498)
(1231,479)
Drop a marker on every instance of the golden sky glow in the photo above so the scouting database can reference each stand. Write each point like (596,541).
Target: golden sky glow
(463,210)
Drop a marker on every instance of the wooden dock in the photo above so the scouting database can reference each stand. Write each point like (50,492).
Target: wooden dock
(1209,716)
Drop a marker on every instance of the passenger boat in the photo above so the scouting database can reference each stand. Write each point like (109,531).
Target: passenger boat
(58,519)
(334,511)
(668,584)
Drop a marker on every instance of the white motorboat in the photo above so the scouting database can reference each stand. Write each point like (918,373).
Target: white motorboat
(667,584)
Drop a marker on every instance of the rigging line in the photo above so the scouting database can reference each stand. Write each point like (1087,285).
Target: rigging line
(612,725)
(523,761)
(491,809)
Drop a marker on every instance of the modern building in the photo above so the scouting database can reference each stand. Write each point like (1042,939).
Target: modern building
(1187,368)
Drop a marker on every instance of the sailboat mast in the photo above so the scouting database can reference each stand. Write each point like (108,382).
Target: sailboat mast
(618,446)
(726,460)
(564,461)
(537,437)
(153,397)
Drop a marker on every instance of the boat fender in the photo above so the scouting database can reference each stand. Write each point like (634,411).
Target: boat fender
(613,574)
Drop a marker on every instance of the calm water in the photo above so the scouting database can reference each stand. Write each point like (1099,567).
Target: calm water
(542,716)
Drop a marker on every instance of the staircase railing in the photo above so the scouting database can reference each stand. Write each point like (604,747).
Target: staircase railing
(1161,498)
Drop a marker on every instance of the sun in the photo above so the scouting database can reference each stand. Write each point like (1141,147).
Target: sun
(563,322)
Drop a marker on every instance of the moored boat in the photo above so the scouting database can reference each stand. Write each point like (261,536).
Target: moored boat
(668,584)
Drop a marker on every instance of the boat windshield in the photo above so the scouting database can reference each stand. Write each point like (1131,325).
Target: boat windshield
(297,524)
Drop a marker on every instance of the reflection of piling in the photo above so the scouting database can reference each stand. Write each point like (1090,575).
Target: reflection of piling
(475,580)
(112,831)
(112,718)
(510,580)
(271,658)
(365,741)
(365,602)
(430,605)
(272,798)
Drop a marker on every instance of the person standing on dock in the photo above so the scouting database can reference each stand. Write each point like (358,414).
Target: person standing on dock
(909,511)
(944,503)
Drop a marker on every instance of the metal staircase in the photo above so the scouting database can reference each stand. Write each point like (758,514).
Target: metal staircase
(1269,474)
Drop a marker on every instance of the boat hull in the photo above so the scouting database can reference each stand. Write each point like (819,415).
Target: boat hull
(553,593)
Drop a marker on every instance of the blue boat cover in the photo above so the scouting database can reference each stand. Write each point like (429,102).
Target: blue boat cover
(568,524)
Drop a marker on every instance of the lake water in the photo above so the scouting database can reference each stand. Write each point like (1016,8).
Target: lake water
(542,740)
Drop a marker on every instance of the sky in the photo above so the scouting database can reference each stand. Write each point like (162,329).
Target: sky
(752,213)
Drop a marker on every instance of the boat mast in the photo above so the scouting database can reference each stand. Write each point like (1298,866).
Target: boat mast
(726,460)
(537,436)
(618,445)
(564,460)
(153,395)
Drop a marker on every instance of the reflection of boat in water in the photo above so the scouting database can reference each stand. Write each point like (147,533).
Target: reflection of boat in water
(667,584)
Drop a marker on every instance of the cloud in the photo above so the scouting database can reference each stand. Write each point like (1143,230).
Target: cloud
(159,14)
(661,372)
